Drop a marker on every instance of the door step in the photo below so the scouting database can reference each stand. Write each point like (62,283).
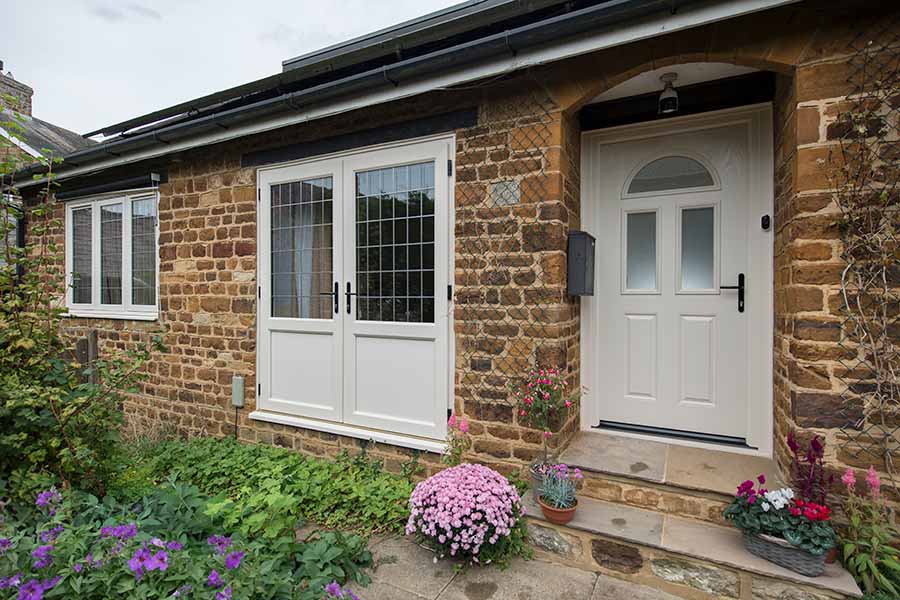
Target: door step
(684,557)
(695,483)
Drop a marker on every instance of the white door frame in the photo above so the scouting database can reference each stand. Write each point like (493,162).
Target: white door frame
(760,298)
(356,431)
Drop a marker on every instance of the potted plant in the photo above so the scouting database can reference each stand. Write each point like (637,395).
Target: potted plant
(777,526)
(541,403)
(558,498)
(808,475)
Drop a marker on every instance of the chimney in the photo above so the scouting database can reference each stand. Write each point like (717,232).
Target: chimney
(21,92)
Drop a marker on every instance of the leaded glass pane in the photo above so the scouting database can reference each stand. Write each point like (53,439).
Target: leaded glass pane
(81,255)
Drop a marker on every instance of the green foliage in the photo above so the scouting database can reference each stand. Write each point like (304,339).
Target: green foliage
(262,490)
(56,416)
(558,492)
(866,544)
(94,566)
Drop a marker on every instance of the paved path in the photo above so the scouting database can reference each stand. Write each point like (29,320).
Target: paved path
(406,571)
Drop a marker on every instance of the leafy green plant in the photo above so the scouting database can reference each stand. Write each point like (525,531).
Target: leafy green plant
(349,493)
(867,550)
(71,545)
(56,416)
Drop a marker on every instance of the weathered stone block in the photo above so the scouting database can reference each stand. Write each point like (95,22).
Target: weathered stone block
(702,577)
(557,542)
(616,556)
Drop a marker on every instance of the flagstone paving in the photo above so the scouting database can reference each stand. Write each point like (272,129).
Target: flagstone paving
(406,571)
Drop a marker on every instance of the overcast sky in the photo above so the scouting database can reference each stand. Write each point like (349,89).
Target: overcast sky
(95,62)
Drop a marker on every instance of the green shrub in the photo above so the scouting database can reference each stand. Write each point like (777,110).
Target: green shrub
(56,416)
(74,546)
(263,490)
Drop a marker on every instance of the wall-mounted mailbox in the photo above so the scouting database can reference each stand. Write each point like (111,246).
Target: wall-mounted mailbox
(581,264)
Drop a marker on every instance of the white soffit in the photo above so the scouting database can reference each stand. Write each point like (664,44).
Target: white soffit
(688,74)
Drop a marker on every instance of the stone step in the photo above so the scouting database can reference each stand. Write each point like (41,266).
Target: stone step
(684,557)
(695,483)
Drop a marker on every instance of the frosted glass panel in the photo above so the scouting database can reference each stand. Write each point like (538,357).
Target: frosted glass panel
(640,267)
(670,173)
(697,248)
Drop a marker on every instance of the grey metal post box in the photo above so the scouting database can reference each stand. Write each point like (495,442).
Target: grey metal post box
(580,264)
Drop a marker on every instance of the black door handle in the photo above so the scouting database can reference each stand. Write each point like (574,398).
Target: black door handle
(349,293)
(335,293)
(740,288)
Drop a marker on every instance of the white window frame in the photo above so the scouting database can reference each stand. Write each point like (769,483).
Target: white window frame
(125,310)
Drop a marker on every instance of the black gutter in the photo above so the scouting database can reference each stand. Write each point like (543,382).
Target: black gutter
(508,42)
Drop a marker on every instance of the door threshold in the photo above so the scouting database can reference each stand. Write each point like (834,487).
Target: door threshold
(674,440)
(678,434)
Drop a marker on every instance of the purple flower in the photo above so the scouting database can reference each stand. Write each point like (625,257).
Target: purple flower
(220,542)
(48,497)
(120,532)
(77,567)
(11,581)
(42,557)
(175,546)
(138,562)
(157,542)
(224,594)
(5,544)
(159,561)
(233,560)
(214,580)
(34,589)
(333,590)
(185,589)
(51,534)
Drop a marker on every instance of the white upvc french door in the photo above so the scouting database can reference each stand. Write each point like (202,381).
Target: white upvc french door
(353,271)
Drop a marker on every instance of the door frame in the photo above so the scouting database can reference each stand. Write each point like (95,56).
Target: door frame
(757,118)
(357,431)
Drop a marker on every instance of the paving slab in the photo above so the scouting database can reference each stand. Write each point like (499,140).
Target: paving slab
(716,471)
(403,564)
(379,590)
(611,519)
(523,580)
(724,546)
(608,588)
(617,455)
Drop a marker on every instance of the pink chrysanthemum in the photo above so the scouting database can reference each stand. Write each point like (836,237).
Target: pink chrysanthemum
(464,508)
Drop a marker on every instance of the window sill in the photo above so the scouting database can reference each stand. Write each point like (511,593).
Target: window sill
(381,437)
(98,314)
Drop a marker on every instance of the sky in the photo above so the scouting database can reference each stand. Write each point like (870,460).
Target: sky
(96,62)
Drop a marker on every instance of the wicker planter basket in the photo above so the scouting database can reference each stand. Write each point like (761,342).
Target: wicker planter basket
(783,554)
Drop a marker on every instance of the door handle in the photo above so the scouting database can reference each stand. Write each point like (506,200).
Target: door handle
(335,293)
(349,293)
(740,289)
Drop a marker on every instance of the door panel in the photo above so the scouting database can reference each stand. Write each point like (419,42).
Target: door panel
(300,367)
(395,338)
(673,346)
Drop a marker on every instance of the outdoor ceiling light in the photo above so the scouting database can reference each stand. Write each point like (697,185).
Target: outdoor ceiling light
(668,99)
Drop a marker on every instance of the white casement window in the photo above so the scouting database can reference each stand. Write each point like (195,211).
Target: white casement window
(111,256)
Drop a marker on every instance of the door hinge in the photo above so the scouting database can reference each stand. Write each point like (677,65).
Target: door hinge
(258,389)
(449,292)
(259,292)
(449,413)
(449,167)
(258,194)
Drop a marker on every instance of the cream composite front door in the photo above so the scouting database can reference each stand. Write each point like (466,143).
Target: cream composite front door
(353,254)
(673,216)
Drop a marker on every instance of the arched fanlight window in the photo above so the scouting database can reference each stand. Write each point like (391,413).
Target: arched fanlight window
(670,173)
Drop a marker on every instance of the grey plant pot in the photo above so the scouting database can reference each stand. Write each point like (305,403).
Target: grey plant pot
(783,554)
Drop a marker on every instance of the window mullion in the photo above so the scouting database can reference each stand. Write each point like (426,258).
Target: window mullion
(96,257)
(126,254)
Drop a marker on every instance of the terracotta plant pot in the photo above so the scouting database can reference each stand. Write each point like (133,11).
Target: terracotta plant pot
(557,516)
(831,556)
